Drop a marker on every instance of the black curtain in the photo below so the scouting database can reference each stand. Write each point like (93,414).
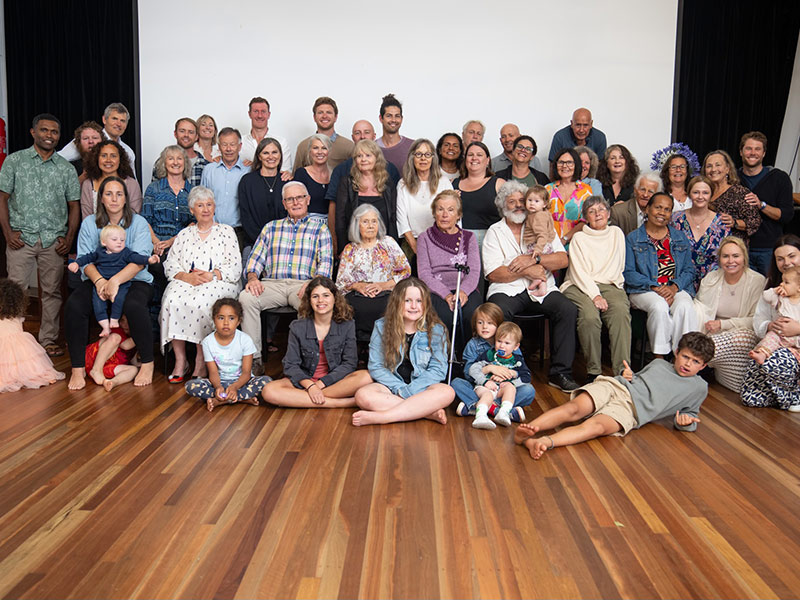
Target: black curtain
(70,59)
(735,67)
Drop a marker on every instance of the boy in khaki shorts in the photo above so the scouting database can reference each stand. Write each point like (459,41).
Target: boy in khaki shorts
(616,405)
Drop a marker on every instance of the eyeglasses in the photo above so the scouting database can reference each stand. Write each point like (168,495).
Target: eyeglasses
(600,210)
(677,167)
(525,149)
(566,163)
(295,199)
(423,154)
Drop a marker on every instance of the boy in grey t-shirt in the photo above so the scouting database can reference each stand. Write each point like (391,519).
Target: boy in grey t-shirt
(616,405)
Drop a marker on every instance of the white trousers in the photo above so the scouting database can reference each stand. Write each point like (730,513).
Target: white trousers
(666,324)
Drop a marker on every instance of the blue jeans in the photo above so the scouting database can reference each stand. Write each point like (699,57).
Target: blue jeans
(466,394)
(101,306)
(760,259)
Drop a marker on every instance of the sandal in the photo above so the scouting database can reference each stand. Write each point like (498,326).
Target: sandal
(53,350)
(272,347)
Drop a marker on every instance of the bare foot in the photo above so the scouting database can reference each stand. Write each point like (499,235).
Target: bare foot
(113,323)
(253,401)
(365,417)
(757,356)
(212,403)
(77,380)
(104,328)
(524,432)
(97,376)
(145,375)
(439,416)
(108,385)
(537,447)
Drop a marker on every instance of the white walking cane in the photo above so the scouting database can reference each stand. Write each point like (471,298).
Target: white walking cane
(461,268)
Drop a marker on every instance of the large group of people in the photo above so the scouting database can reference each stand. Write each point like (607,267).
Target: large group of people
(388,248)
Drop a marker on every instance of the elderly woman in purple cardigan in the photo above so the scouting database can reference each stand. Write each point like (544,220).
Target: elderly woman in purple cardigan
(439,249)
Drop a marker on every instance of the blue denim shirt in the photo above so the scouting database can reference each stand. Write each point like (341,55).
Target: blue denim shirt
(641,263)
(430,363)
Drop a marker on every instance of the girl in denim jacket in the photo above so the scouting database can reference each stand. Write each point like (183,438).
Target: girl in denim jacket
(319,369)
(407,360)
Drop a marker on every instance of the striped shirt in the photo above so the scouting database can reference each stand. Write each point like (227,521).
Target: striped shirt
(287,249)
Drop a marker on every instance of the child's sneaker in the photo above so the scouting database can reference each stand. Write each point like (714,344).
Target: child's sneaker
(483,422)
(462,410)
(503,417)
(517,414)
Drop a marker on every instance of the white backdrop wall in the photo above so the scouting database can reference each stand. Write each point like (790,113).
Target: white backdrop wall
(529,62)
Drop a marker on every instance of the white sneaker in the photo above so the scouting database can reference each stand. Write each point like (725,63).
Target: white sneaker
(503,417)
(483,422)
(794,408)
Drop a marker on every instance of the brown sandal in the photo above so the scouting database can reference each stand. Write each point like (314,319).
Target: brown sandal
(54,351)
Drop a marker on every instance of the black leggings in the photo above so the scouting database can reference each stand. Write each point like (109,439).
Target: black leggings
(78,309)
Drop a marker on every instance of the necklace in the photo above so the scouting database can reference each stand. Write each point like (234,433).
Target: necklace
(271,186)
(203,231)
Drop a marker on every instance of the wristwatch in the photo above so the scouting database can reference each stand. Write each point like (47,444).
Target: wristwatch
(763,205)
(537,259)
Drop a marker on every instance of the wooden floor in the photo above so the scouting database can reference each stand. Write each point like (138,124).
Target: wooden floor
(140,493)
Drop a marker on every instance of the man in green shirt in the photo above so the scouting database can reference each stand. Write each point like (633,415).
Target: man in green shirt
(39,213)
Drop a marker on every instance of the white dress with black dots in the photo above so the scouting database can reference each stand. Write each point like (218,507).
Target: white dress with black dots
(186,309)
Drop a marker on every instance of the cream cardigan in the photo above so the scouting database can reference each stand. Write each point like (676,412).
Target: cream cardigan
(707,299)
(596,256)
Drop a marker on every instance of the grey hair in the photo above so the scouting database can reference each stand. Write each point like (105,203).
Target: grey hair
(116,107)
(470,122)
(653,177)
(322,138)
(354,233)
(508,188)
(161,165)
(295,183)
(592,201)
(594,161)
(199,193)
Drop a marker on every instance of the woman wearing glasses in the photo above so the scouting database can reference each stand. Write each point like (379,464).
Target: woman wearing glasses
(421,183)
(567,194)
(675,175)
(522,154)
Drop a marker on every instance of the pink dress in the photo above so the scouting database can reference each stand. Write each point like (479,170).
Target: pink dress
(23,362)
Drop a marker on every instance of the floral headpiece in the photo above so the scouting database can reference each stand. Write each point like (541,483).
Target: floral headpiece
(662,156)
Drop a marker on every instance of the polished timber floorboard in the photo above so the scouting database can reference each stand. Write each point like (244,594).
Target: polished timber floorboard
(141,493)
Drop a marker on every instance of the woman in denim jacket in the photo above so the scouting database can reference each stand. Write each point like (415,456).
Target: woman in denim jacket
(659,276)
(320,364)
(407,360)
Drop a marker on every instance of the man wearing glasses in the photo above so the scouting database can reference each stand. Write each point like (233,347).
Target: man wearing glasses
(288,253)
(223,177)
(579,132)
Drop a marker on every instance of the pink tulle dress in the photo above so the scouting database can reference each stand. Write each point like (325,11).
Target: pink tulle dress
(23,362)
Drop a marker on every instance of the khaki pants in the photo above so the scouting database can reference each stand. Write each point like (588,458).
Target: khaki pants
(50,265)
(277,293)
(617,320)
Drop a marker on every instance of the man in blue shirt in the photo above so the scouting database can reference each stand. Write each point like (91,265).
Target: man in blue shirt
(223,179)
(579,132)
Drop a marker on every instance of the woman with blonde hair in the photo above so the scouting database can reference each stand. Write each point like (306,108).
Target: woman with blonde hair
(407,360)
(728,195)
(367,183)
(206,143)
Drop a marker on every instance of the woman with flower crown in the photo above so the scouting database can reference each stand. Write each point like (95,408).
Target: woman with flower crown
(677,165)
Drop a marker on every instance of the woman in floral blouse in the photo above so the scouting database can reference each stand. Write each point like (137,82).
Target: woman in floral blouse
(370,266)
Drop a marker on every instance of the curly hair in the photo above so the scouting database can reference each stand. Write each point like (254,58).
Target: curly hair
(631,167)
(698,344)
(83,126)
(342,311)
(92,165)
(232,302)
(12,299)
(394,337)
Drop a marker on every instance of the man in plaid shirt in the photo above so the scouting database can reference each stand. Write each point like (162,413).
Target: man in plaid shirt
(287,254)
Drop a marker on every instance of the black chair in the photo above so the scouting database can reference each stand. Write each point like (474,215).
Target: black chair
(638,338)
(525,320)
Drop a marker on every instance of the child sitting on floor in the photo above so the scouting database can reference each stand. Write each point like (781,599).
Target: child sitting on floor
(228,353)
(109,259)
(785,299)
(616,405)
(491,386)
(109,360)
(539,232)
(23,362)
(485,321)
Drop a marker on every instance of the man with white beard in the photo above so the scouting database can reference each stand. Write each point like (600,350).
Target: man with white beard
(510,271)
